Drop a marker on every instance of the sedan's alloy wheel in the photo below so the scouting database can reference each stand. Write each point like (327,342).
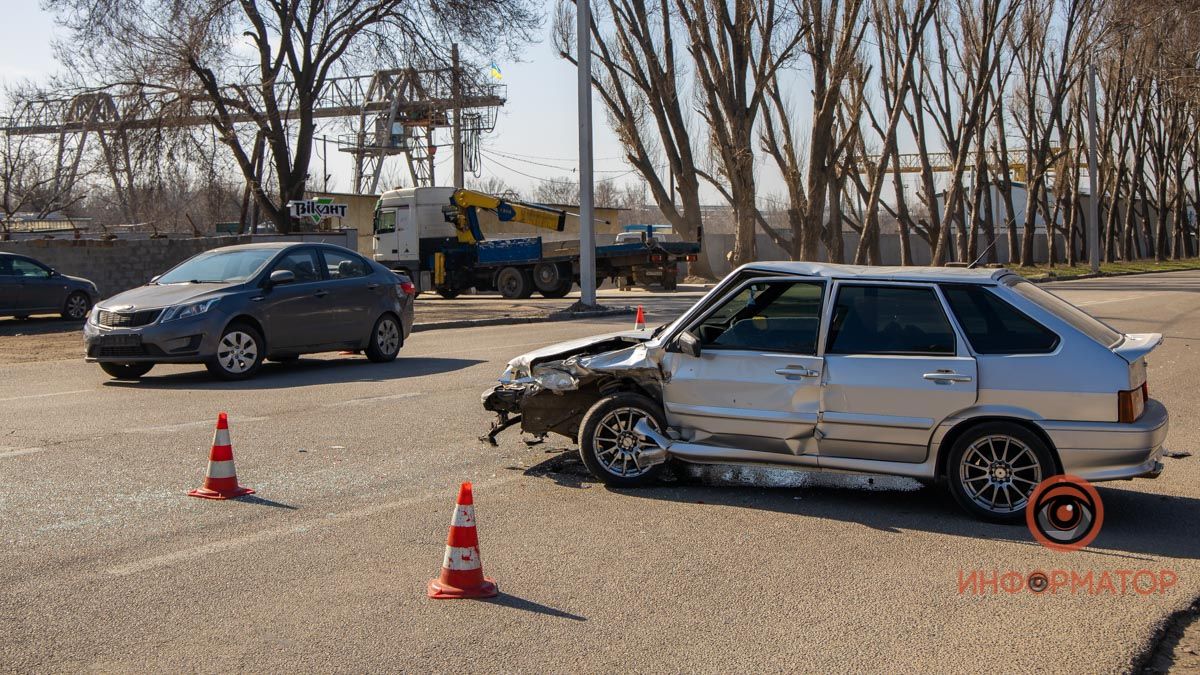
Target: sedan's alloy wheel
(237,352)
(387,336)
(998,473)
(618,447)
(77,306)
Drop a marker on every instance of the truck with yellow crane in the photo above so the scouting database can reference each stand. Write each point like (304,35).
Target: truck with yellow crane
(435,235)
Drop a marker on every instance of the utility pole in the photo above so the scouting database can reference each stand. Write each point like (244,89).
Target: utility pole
(587,240)
(1093,212)
(456,129)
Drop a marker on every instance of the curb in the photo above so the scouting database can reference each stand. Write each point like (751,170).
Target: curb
(516,320)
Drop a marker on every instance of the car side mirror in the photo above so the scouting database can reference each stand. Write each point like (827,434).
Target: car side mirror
(280,277)
(154,279)
(687,343)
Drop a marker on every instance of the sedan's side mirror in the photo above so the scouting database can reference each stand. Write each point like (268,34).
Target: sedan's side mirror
(280,277)
(154,279)
(687,343)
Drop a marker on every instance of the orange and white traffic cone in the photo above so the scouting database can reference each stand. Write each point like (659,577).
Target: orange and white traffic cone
(639,322)
(462,571)
(220,482)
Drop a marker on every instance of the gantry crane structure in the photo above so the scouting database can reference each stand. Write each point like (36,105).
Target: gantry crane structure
(393,111)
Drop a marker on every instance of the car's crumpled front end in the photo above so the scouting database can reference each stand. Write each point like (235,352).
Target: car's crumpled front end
(549,389)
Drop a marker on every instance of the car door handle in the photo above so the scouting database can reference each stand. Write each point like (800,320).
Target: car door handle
(320,294)
(371,287)
(797,371)
(943,378)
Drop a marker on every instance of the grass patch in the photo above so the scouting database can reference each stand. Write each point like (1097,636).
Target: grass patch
(1116,268)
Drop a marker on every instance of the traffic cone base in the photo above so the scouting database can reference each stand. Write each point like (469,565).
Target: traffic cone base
(462,570)
(442,591)
(205,493)
(220,481)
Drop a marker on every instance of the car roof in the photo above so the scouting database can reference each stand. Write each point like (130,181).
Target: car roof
(274,245)
(883,273)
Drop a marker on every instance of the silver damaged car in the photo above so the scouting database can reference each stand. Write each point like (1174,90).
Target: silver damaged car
(973,377)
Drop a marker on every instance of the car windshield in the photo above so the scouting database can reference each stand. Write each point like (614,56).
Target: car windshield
(218,267)
(1078,319)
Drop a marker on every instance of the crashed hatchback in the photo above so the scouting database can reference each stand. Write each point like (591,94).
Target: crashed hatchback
(975,378)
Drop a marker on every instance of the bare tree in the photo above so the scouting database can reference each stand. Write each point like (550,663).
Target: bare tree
(738,49)
(29,181)
(263,64)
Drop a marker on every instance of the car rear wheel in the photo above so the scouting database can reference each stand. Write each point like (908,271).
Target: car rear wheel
(77,306)
(994,467)
(608,444)
(514,283)
(126,371)
(239,353)
(386,340)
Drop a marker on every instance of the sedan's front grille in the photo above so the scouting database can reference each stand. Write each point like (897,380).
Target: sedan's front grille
(110,319)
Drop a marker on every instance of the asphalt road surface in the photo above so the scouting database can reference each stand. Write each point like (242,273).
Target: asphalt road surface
(106,564)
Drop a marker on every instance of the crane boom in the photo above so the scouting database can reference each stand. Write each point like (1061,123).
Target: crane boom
(464,205)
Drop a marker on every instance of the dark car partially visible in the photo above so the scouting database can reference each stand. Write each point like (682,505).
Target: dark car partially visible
(231,308)
(29,287)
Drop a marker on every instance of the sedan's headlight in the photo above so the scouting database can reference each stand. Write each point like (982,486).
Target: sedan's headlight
(93,315)
(190,309)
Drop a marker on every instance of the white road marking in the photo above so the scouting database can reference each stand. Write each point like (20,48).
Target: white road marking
(1104,302)
(373,399)
(57,393)
(222,545)
(166,428)
(5,453)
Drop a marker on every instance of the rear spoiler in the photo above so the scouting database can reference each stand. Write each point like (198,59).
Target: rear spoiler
(1137,345)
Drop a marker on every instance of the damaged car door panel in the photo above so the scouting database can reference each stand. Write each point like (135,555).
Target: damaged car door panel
(974,377)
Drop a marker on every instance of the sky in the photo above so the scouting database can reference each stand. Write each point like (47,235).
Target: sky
(538,123)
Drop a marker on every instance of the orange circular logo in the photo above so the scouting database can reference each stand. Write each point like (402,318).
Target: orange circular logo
(1064,513)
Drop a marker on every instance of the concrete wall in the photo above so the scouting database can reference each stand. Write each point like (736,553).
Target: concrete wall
(120,264)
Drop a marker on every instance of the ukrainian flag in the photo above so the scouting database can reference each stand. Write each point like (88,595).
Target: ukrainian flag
(495,71)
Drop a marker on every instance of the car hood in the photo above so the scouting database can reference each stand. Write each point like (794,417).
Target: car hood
(78,280)
(597,344)
(153,296)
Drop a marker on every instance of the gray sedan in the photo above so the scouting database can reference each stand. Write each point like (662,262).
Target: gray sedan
(976,378)
(233,307)
(30,287)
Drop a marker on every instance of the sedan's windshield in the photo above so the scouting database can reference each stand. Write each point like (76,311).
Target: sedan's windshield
(218,267)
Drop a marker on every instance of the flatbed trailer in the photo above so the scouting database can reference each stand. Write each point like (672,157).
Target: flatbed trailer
(412,235)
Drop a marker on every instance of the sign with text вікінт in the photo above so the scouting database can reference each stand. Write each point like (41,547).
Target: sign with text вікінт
(316,209)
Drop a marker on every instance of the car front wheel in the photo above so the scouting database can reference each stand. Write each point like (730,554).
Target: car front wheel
(610,447)
(77,306)
(386,340)
(239,353)
(994,467)
(126,371)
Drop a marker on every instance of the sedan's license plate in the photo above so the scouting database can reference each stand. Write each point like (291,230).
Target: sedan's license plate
(120,341)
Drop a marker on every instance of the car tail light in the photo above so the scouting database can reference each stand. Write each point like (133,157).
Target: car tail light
(690,258)
(1131,404)
(657,258)
(408,288)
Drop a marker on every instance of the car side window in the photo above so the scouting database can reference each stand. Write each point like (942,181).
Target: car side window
(993,326)
(772,316)
(344,265)
(303,263)
(28,268)
(903,320)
